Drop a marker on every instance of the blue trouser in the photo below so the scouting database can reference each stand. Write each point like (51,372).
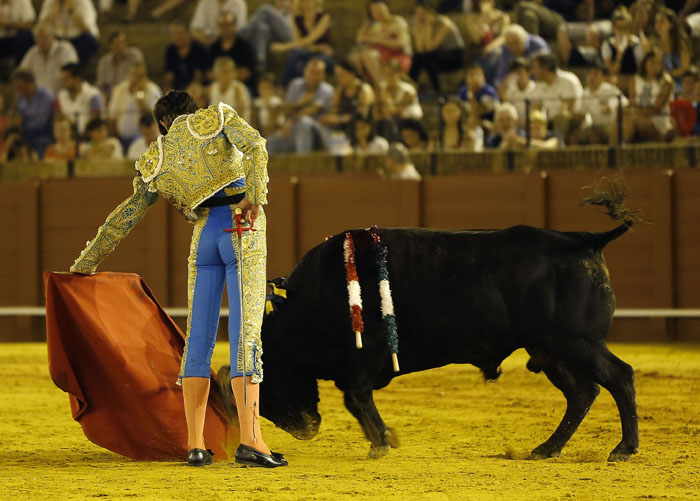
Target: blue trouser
(213,262)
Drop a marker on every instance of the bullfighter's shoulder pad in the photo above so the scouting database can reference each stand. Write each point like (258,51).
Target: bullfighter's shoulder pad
(206,123)
(150,162)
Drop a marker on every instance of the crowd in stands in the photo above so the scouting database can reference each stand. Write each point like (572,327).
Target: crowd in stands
(541,74)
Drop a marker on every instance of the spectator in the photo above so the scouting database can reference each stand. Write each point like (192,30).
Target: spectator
(149,134)
(65,147)
(505,126)
(650,94)
(622,49)
(517,43)
(47,57)
(538,19)
(365,139)
(437,42)
(456,132)
(270,23)
(557,93)
(101,146)
(689,82)
(16,21)
(15,147)
(226,88)
(671,38)
(34,106)
(204,25)
(541,138)
(268,112)
(398,165)
(311,36)
(185,59)
(114,67)
(78,99)
(199,93)
(307,98)
(74,21)
(381,38)
(131,99)
(517,87)
(352,96)
(600,101)
(485,23)
(397,98)
(413,135)
(481,96)
(234,47)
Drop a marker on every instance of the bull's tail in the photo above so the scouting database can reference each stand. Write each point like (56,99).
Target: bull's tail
(613,200)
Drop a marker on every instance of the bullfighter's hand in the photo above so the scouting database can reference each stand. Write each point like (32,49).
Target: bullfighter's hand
(250,211)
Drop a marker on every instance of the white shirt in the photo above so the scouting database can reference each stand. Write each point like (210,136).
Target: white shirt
(378,146)
(137,148)
(264,112)
(414,109)
(593,102)
(235,96)
(566,85)
(207,12)
(64,26)
(646,94)
(124,107)
(409,173)
(517,97)
(81,109)
(16,11)
(47,69)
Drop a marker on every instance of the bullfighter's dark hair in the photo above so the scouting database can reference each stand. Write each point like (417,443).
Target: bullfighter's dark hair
(174,104)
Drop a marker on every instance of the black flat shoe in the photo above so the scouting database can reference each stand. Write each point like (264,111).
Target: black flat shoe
(250,457)
(199,457)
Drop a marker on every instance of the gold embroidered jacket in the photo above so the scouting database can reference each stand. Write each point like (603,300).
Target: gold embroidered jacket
(201,154)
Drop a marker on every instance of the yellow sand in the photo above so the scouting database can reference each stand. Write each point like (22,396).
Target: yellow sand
(462,439)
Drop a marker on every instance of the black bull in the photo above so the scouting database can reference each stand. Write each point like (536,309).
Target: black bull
(460,297)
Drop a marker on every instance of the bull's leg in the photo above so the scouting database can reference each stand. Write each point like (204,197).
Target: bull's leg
(618,378)
(361,405)
(580,392)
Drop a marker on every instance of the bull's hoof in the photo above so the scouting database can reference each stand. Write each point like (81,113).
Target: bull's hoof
(544,452)
(393,438)
(378,451)
(622,453)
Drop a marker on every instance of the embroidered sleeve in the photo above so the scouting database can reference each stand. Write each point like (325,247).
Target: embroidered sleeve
(118,224)
(252,145)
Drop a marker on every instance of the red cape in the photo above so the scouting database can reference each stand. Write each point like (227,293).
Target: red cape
(117,353)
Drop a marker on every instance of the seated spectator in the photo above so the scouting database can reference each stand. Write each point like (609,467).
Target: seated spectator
(236,48)
(413,135)
(115,66)
(186,60)
(47,57)
(481,96)
(101,146)
(541,138)
(437,44)
(398,165)
(365,139)
(557,93)
(311,36)
(228,89)
(16,22)
(199,93)
(64,148)
(381,38)
(457,131)
(650,94)
(268,107)
(505,125)
(600,101)
(35,108)
(131,99)
(78,99)
(149,134)
(308,98)
(15,147)
(538,19)
(270,23)
(517,43)
(621,51)
(517,87)
(485,23)
(670,36)
(689,82)
(397,98)
(74,21)
(204,25)
(352,96)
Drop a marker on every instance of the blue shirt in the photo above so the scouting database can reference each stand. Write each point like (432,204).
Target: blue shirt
(37,118)
(533,45)
(486,97)
(323,96)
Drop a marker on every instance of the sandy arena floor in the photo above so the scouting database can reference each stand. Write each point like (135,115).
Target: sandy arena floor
(461,439)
